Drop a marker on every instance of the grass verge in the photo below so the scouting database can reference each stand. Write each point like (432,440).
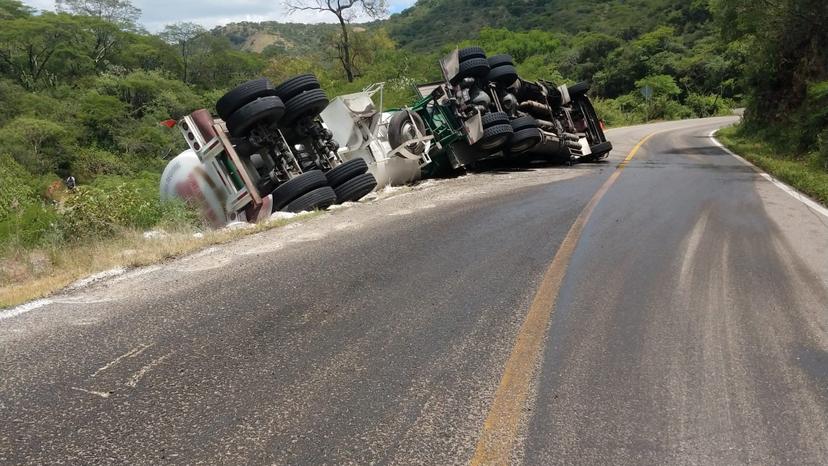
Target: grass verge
(35,273)
(803,172)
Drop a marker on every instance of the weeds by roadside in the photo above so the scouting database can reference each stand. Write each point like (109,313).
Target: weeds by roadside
(806,172)
(33,272)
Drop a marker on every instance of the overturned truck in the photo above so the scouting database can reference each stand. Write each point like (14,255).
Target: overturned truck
(267,151)
(290,148)
(482,110)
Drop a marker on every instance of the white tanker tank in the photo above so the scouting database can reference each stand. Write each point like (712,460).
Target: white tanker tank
(361,130)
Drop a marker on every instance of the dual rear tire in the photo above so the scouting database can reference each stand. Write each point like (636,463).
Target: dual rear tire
(313,189)
(502,70)
(258,102)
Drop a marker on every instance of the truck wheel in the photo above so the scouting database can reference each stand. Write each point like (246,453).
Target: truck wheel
(503,74)
(524,122)
(319,198)
(473,68)
(342,173)
(401,130)
(356,188)
(243,95)
(293,188)
(495,136)
(578,89)
(307,104)
(501,60)
(297,85)
(266,109)
(524,140)
(469,53)
(495,118)
(599,151)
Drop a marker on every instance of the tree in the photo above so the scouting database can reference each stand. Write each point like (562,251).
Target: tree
(11,9)
(184,35)
(106,20)
(120,12)
(28,46)
(345,11)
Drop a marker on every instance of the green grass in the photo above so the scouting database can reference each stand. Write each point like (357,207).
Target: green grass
(802,171)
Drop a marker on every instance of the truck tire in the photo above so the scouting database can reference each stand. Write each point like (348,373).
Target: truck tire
(400,130)
(342,173)
(469,53)
(501,60)
(599,151)
(295,187)
(319,198)
(578,89)
(308,104)
(524,122)
(297,85)
(242,95)
(356,188)
(495,136)
(266,109)
(495,118)
(503,74)
(524,139)
(473,68)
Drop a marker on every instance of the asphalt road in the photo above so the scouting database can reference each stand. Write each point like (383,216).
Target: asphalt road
(689,326)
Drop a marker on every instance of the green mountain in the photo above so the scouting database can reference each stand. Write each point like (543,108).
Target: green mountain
(442,21)
(431,23)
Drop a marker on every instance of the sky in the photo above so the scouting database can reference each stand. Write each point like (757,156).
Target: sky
(210,13)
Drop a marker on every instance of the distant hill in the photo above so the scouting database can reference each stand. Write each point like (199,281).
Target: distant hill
(447,21)
(433,23)
(288,38)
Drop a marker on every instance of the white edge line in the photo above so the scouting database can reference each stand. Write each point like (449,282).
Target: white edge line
(82,283)
(24,308)
(812,204)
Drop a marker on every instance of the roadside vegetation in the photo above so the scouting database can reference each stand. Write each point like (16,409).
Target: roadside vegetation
(83,91)
(807,172)
(785,127)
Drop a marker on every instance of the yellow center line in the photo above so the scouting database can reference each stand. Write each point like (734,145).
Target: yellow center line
(501,425)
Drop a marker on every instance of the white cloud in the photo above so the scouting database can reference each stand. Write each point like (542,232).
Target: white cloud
(209,13)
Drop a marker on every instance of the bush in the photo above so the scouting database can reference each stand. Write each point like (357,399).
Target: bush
(30,226)
(147,140)
(92,162)
(15,193)
(40,146)
(101,115)
(111,204)
(706,105)
(610,111)
(822,153)
(10,97)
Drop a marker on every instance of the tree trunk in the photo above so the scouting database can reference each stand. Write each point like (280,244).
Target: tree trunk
(184,59)
(346,50)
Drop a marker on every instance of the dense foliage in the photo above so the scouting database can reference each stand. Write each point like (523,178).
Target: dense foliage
(83,90)
(786,72)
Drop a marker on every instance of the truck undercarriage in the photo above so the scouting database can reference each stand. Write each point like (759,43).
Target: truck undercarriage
(290,148)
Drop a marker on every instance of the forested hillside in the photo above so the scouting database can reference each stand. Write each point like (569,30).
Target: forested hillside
(624,19)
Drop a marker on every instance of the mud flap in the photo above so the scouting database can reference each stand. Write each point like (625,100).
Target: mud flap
(450,64)
(585,149)
(474,128)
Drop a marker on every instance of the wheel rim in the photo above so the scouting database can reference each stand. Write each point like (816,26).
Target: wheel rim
(409,132)
(495,142)
(525,145)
